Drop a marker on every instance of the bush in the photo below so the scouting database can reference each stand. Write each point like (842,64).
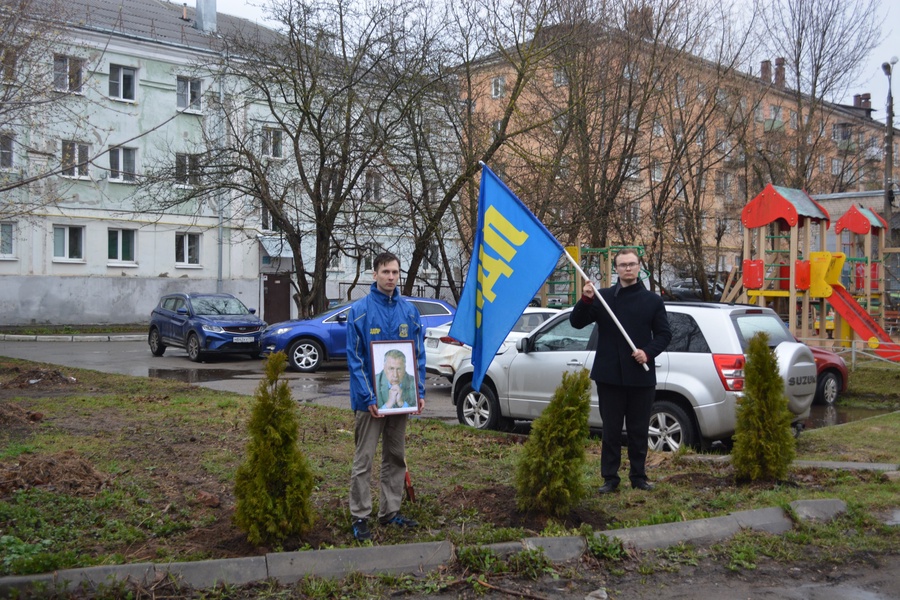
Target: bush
(764,444)
(549,476)
(273,487)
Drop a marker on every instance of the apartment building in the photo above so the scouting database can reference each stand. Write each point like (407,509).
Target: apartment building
(637,141)
(99,210)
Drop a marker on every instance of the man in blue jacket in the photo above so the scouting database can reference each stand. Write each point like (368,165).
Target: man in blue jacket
(625,389)
(381,316)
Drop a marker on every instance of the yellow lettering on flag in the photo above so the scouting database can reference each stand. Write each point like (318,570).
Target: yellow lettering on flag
(496,224)
(503,238)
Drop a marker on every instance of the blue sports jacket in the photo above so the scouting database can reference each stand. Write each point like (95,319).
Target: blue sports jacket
(374,318)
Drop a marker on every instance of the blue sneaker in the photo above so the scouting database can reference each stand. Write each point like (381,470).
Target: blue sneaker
(401,521)
(361,530)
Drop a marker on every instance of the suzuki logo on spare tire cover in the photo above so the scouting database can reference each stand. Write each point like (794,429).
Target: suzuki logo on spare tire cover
(798,371)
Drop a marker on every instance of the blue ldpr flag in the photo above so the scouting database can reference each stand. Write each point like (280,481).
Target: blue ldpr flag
(512,257)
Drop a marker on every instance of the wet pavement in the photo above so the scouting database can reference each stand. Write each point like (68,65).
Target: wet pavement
(329,386)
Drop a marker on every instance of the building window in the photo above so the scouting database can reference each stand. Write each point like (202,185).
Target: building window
(121,82)
(758,113)
(334,263)
(633,167)
(67,73)
(794,120)
(835,166)
(656,171)
(272,142)
(498,87)
(840,132)
(68,242)
(122,164)
(821,164)
(187,248)
(7,248)
(74,159)
(560,78)
(6,151)
(374,186)
(775,112)
(658,129)
(189,93)
(121,245)
(633,212)
(9,58)
(187,169)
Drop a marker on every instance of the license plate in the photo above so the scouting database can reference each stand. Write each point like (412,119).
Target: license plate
(431,343)
(244,339)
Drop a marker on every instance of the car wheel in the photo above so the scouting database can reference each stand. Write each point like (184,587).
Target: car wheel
(157,348)
(827,388)
(670,427)
(193,347)
(478,409)
(305,356)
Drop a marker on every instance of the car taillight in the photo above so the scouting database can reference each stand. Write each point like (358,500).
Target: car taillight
(451,341)
(731,370)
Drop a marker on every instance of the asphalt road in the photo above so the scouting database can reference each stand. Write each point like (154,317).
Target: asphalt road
(329,386)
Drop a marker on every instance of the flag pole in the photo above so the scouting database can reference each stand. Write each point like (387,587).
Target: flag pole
(605,305)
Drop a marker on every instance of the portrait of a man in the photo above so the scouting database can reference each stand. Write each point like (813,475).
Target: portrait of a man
(395,387)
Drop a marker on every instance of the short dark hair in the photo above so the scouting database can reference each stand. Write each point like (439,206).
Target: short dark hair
(383,259)
(626,251)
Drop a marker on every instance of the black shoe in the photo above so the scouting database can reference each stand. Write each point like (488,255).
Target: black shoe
(399,520)
(608,488)
(642,484)
(361,530)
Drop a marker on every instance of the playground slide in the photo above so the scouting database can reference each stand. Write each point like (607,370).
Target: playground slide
(863,324)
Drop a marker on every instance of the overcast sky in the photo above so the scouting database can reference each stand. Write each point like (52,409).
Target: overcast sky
(871,80)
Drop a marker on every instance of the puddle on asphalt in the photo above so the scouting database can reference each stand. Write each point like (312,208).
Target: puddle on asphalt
(198,375)
(825,416)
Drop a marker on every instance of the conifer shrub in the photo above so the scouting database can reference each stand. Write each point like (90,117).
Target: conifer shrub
(764,444)
(550,472)
(274,485)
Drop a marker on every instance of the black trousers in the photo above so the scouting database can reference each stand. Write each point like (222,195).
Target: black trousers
(631,406)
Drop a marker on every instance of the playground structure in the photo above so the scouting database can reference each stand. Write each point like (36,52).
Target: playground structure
(787,267)
(782,269)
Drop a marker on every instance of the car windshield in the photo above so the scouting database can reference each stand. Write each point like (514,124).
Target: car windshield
(214,305)
(331,309)
(528,322)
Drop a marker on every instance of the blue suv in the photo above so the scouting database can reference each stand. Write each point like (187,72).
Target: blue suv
(204,323)
(310,342)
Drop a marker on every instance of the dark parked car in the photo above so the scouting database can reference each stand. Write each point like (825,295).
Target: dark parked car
(687,289)
(204,324)
(310,342)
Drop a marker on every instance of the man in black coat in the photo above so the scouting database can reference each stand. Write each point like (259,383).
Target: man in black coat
(626,390)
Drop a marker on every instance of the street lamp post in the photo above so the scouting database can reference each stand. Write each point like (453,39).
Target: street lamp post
(889,151)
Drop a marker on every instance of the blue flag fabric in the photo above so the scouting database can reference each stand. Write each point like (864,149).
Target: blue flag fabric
(512,257)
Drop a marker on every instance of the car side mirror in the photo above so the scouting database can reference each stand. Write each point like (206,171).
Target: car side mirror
(252,311)
(182,311)
(342,318)
(522,345)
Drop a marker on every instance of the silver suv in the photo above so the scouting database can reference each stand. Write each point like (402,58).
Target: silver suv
(700,377)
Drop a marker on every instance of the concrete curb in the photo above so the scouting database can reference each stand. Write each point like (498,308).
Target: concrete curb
(290,567)
(13,337)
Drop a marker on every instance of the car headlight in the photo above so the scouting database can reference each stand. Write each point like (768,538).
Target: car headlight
(282,330)
(212,328)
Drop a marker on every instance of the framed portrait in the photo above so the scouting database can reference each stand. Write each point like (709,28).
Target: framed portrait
(395,377)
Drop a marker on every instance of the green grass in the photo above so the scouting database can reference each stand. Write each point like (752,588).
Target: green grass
(155,439)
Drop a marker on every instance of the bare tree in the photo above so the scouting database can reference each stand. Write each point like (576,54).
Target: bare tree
(819,47)
(327,84)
